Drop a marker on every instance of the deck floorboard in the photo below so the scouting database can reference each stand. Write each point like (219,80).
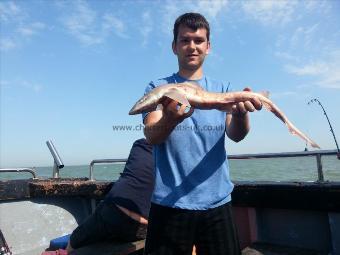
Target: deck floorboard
(274,249)
(111,248)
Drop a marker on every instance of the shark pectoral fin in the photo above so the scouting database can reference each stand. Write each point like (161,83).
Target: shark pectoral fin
(178,98)
(264,93)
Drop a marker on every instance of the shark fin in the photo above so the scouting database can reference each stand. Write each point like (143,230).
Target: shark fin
(264,93)
(174,95)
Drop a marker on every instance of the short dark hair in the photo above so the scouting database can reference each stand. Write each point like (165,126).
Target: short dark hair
(191,20)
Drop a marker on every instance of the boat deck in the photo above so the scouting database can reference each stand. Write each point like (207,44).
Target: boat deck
(273,218)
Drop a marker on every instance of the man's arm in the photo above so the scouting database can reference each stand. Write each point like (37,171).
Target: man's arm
(237,126)
(160,123)
(237,123)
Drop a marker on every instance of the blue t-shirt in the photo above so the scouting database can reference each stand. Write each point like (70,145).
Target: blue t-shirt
(191,166)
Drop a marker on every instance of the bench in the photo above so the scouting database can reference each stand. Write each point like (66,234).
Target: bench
(258,248)
(112,248)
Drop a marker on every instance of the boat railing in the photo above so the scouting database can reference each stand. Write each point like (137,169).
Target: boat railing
(19,170)
(57,163)
(317,154)
(103,161)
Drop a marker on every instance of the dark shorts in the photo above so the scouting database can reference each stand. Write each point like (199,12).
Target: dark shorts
(174,231)
(107,223)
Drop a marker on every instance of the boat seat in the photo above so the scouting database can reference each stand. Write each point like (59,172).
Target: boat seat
(275,249)
(111,248)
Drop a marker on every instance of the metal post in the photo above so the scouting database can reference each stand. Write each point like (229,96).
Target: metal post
(55,170)
(91,172)
(319,164)
(57,163)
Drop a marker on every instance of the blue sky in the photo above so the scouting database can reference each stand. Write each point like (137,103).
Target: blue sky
(70,70)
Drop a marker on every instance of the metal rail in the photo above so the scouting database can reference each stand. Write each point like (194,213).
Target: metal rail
(57,162)
(19,170)
(283,154)
(318,154)
(102,161)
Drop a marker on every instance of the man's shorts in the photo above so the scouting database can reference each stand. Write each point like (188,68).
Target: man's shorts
(173,231)
(107,223)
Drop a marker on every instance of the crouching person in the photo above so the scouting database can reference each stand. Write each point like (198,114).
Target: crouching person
(123,214)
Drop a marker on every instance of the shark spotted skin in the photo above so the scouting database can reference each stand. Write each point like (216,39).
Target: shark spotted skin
(192,95)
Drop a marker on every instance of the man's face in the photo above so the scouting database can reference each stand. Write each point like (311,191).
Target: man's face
(191,47)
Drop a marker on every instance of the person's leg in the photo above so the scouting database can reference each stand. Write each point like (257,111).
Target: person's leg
(217,233)
(107,223)
(90,231)
(120,226)
(170,231)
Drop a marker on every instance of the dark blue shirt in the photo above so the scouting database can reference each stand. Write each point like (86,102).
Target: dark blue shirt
(135,185)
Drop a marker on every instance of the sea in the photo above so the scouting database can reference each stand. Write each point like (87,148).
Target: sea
(269,169)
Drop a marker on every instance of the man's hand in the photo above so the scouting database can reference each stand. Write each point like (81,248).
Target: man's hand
(237,123)
(241,108)
(159,124)
(174,112)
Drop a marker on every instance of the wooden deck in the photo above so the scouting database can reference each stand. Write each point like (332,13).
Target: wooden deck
(111,248)
(274,249)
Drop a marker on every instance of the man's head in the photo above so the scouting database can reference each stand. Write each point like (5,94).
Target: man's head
(193,21)
(191,43)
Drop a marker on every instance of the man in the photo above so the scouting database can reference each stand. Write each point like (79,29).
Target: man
(191,200)
(123,215)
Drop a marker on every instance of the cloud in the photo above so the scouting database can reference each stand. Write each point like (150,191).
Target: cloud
(326,72)
(146,27)
(321,6)
(89,26)
(18,26)
(211,8)
(31,29)
(310,49)
(28,85)
(285,56)
(7,44)
(92,27)
(32,86)
(270,12)
(80,23)
(4,84)
(113,24)
(331,81)
(172,9)
(10,12)
(312,69)
(304,35)
(279,95)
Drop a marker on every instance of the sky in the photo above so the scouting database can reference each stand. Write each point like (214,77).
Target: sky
(71,70)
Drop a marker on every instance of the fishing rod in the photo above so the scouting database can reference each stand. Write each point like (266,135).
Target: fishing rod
(331,129)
